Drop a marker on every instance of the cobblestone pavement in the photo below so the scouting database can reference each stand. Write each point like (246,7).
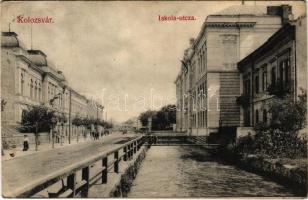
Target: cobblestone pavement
(21,170)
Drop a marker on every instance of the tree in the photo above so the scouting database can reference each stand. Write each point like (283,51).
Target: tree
(77,121)
(145,116)
(38,118)
(62,118)
(288,115)
(279,138)
(161,119)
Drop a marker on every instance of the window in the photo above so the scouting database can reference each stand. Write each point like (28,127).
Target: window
(35,90)
(264,116)
(48,92)
(264,79)
(257,84)
(273,75)
(23,113)
(204,118)
(22,83)
(247,87)
(257,116)
(31,88)
(280,72)
(201,62)
(246,117)
(287,71)
(40,92)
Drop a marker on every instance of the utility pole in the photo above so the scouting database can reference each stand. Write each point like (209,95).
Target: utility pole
(69,117)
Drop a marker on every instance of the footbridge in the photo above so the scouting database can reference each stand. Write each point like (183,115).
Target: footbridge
(179,139)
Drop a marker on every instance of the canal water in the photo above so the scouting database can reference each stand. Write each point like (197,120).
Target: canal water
(184,171)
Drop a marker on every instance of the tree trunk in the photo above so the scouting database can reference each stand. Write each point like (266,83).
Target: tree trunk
(62,134)
(53,136)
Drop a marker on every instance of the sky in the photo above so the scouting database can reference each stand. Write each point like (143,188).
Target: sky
(117,53)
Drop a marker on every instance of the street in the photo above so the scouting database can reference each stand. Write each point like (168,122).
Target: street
(19,171)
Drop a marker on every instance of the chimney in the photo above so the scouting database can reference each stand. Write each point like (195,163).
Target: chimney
(284,11)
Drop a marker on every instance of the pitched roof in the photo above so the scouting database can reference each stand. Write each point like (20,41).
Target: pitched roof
(243,10)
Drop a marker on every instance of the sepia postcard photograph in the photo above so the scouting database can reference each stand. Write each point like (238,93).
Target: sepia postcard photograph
(154,99)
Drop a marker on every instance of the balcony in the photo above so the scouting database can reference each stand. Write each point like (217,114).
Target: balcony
(243,100)
(280,90)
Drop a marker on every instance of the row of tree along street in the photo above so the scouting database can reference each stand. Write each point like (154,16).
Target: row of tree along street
(41,119)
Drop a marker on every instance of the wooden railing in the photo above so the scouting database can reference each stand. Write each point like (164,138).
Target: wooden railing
(72,187)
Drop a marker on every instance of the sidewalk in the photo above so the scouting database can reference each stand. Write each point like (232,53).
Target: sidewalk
(18,152)
(28,168)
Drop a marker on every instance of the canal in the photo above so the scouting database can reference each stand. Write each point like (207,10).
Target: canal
(184,171)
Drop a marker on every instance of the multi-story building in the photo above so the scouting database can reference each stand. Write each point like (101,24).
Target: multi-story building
(281,63)
(28,78)
(209,82)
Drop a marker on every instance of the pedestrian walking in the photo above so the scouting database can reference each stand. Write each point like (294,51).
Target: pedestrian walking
(26,143)
(92,131)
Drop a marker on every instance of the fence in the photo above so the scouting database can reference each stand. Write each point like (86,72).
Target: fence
(15,140)
(72,187)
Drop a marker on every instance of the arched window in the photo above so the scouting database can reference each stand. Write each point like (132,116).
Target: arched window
(31,88)
(35,90)
(22,84)
(264,116)
(40,92)
(257,116)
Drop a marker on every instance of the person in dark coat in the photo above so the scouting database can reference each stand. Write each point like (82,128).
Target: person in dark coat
(26,143)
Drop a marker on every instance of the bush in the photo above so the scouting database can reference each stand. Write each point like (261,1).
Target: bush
(279,138)
(288,115)
(277,143)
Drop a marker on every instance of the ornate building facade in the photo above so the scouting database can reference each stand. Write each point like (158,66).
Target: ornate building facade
(28,78)
(209,81)
(278,65)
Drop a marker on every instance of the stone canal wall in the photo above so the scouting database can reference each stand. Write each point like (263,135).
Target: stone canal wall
(122,188)
(289,175)
(119,183)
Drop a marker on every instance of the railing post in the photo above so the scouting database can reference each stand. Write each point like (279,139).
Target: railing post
(125,153)
(138,145)
(105,170)
(116,163)
(128,152)
(135,147)
(131,149)
(85,176)
(71,182)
